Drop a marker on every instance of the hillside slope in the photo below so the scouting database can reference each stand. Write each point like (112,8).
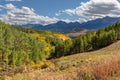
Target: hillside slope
(113,49)
(78,66)
(20,46)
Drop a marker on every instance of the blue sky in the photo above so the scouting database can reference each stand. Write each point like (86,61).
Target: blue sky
(50,11)
(46,7)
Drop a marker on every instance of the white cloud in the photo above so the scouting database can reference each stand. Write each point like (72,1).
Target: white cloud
(66,20)
(13,0)
(96,9)
(70,11)
(1,7)
(58,14)
(24,15)
(10,6)
(76,20)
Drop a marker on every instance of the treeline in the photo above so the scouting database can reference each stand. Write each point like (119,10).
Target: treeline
(90,41)
(96,39)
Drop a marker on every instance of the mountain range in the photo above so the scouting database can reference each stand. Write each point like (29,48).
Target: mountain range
(64,27)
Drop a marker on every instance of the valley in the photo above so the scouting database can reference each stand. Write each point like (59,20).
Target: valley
(74,34)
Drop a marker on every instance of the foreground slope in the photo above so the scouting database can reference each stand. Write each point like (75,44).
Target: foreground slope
(102,64)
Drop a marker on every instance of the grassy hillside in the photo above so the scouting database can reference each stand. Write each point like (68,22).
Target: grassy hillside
(103,64)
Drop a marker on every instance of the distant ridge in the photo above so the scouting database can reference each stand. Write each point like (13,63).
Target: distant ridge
(64,27)
(100,22)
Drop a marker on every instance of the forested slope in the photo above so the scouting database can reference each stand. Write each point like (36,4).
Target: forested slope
(96,39)
(91,41)
(20,46)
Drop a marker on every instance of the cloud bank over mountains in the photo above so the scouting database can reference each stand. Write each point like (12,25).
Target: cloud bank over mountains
(89,10)
(96,9)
